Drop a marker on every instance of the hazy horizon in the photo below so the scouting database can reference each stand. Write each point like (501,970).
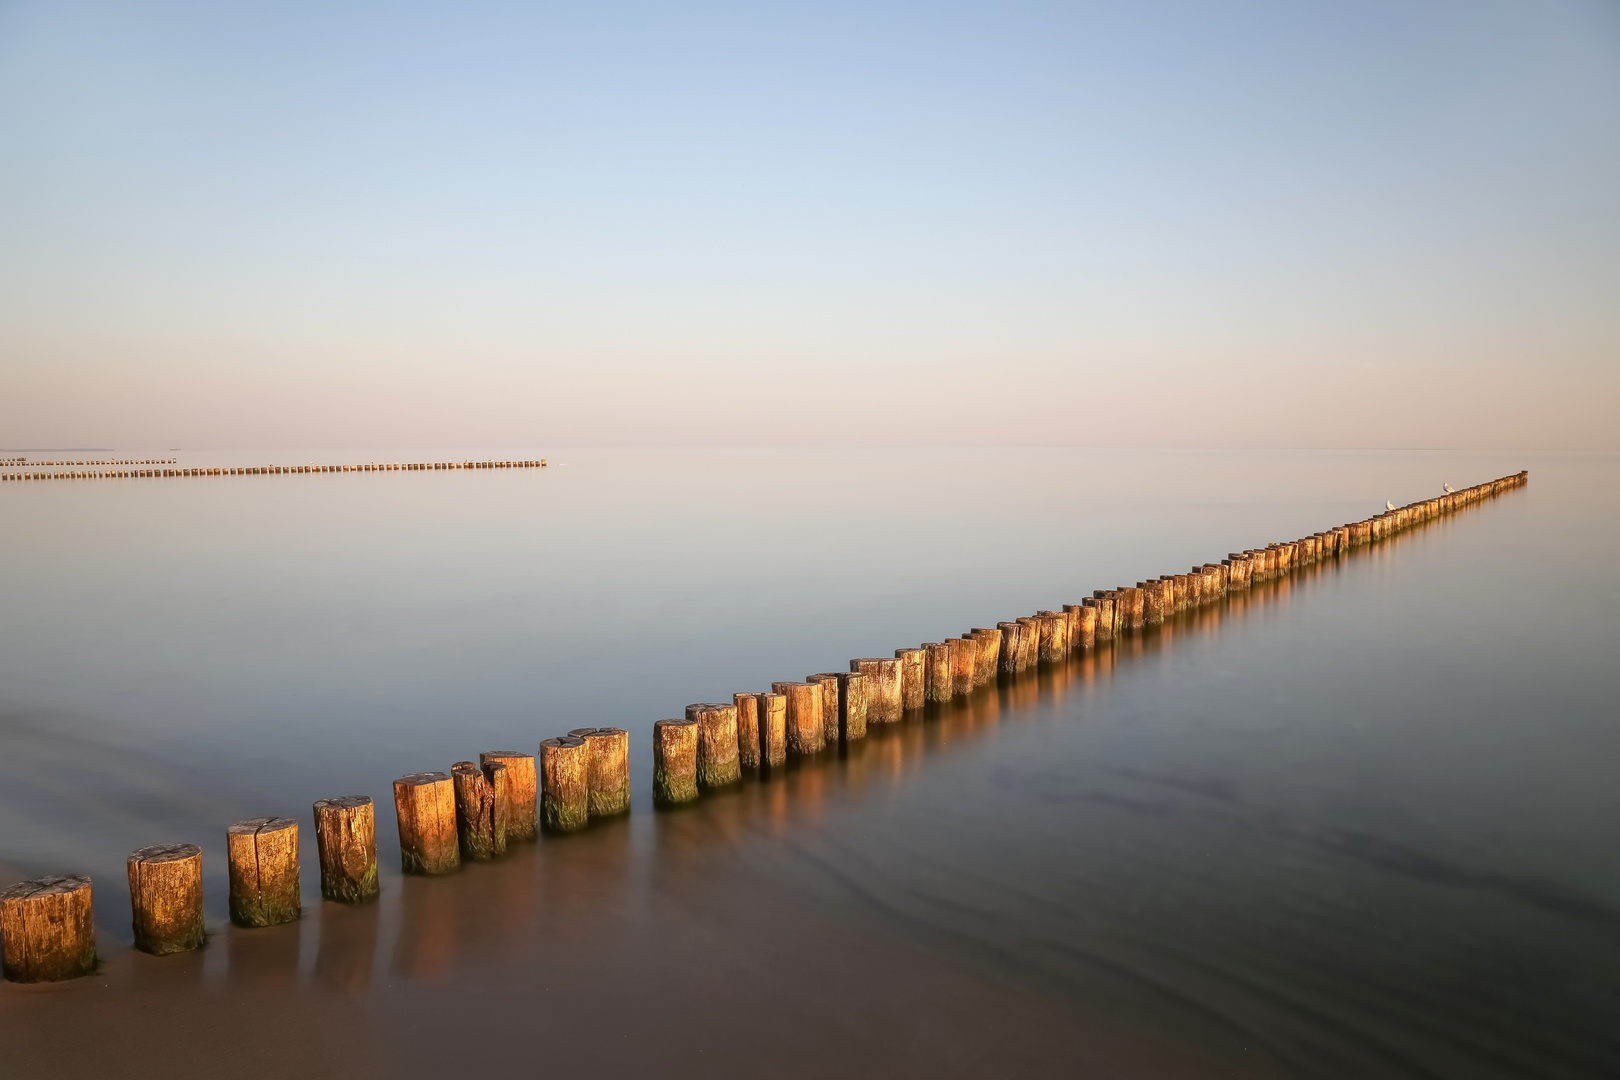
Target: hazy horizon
(1352,225)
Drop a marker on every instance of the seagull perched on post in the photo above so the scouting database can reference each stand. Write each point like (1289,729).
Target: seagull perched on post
(1449,489)
(1388,505)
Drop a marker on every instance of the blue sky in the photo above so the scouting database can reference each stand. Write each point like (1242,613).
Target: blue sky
(417,224)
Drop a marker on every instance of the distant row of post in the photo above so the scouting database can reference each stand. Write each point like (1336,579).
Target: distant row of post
(83,472)
(477,809)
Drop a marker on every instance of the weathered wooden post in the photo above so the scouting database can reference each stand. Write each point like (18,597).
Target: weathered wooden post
(1012,648)
(165,891)
(748,739)
(964,664)
(565,789)
(346,845)
(47,929)
(885,687)
(854,701)
(1085,626)
(828,682)
(675,751)
(717,742)
(262,869)
(425,804)
(1030,644)
(806,731)
(1054,646)
(607,772)
(481,804)
(773,730)
(522,792)
(939,678)
(913,678)
(1107,621)
(986,654)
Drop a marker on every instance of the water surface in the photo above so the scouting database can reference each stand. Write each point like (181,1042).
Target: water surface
(1359,823)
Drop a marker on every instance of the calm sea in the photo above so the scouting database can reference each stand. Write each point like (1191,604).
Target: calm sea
(1362,823)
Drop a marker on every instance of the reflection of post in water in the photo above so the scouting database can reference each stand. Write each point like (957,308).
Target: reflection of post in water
(264,956)
(348,947)
(425,946)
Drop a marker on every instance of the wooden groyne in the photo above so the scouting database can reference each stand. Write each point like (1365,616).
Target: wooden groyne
(88,470)
(477,810)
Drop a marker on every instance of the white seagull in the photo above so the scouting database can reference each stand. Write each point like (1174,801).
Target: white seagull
(1449,489)
(1388,505)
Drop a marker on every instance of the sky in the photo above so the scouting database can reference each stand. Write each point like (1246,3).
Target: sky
(1374,223)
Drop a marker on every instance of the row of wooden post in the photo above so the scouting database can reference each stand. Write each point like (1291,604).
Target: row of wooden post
(14,462)
(477,809)
(265,470)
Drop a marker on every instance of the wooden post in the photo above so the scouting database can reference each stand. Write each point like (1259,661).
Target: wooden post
(47,929)
(522,792)
(1029,646)
(748,742)
(262,868)
(1104,629)
(964,664)
(481,803)
(854,699)
(1054,646)
(165,891)
(938,676)
(989,654)
(425,804)
(607,765)
(885,687)
(772,730)
(913,678)
(346,843)
(675,749)
(717,742)
(806,731)
(828,682)
(565,791)
(1085,626)
(1012,647)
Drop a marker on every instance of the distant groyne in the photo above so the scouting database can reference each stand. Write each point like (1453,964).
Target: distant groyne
(93,470)
(476,810)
